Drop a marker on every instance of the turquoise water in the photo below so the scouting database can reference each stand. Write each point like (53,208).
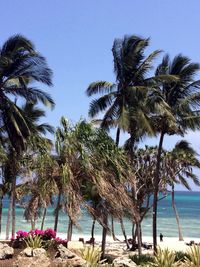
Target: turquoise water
(188,204)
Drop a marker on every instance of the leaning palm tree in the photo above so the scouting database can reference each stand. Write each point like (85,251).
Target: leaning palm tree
(180,100)
(179,165)
(20,67)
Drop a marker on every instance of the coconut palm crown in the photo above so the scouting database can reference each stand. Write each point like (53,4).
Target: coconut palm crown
(20,67)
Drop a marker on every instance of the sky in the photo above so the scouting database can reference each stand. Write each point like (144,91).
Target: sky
(76,37)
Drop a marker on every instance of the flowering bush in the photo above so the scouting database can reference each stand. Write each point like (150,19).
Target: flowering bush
(59,241)
(21,234)
(47,237)
(49,234)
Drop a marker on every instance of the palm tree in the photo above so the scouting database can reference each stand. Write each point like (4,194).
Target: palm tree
(20,67)
(179,100)
(31,114)
(131,68)
(179,165)
(124,101)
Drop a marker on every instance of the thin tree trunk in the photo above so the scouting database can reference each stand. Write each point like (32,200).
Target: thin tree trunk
(9,217)
(134,235)
(113,229)
(104,234)
(138,227)
(117,137)
(92,229)
(32,223)
(1,208)
(57,212)
(43,218)
(13,208)
(156,190)
(69,231)
(177,216)
(124,232)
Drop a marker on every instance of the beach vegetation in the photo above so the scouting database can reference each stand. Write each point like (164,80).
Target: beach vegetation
(92,255)
(141,260)
(84,167)
(33,241)
(192,258)
(164,258)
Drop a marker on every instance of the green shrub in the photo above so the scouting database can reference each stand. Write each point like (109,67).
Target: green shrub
(91,255)
(141,260)
(33,241)
(164,258)
(193,257)
(180,256)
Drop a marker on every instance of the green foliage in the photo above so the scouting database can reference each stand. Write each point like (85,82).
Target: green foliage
(142,259)
(92,256)
(180,256)
(193,257)
(164,258)
(34,241)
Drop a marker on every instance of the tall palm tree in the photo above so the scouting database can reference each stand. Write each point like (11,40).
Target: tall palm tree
(20,67)
(36,140)
(131,68)
(179,165)
(180,101)
(124,101)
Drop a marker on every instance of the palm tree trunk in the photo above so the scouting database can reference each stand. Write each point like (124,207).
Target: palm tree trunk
(156,190)
(69,231)
(13,208)
(177,216)
(57,212)
(43,218)
(104,234)
(1,208)
(124,232)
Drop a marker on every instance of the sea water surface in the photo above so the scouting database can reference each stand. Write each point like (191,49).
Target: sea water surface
(188,204)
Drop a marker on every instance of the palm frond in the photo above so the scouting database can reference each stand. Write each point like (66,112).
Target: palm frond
(101,87)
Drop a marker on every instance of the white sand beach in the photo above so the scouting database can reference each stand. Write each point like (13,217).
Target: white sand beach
(171,243)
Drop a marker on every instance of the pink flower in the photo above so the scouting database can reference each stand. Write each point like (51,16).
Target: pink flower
(50,233)
(21,234)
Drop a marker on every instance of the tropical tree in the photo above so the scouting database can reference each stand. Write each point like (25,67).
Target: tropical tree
(124,101)
(179,164)
(118,99)
(14,164)
(179,100)
(20,66)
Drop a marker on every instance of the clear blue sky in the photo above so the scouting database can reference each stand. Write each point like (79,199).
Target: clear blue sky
(76,37)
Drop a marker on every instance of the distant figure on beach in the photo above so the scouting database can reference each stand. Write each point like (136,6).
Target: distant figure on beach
(161,237)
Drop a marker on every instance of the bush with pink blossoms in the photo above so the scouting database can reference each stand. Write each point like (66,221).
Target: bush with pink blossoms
(48,237)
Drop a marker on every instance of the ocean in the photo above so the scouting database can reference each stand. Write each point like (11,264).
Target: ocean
(188,204)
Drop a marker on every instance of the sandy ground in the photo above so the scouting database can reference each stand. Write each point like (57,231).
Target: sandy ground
(119,247)
(171,243)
